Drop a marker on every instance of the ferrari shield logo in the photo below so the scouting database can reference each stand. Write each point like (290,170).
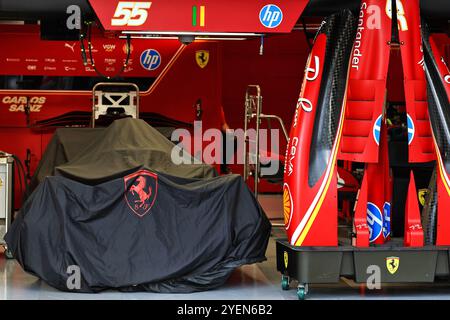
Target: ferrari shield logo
(141,189)
(286,259)
(202,58)
(392,264)
(422,194)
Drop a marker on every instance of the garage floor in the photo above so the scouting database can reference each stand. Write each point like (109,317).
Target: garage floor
(259,281)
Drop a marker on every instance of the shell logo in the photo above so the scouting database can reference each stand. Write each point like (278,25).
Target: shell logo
(288,205)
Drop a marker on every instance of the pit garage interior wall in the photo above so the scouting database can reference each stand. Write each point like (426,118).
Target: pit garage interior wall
(232,66)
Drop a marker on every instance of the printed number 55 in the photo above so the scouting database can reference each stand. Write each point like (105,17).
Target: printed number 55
(130,13)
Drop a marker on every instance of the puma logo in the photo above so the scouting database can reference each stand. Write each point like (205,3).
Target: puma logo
(71,47)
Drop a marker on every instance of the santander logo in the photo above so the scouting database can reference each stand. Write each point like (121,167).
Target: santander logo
(370,17)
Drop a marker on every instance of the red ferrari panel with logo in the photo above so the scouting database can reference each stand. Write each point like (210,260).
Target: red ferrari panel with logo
(199,16)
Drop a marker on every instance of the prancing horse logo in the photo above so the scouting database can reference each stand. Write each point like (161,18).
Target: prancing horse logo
(392,264)
(141,189)
(202,58)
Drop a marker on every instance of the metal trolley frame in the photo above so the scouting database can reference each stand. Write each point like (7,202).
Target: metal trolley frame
(103,99)
(253,110)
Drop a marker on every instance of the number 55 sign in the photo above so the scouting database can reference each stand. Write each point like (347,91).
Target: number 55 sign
(207,16)
(130,13)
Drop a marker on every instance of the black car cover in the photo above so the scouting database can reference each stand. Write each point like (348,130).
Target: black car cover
(99,153)
(137,229)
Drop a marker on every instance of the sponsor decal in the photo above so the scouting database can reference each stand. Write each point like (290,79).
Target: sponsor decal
(371,16)
(12,60)
(18,103)
(305,104)
(31,67)
(124,48)
(270,16)
(401,19)
(314,70)
(386,219)
(110,61)
(421,61)
(67,68)
(411,128)
(109,47)
(374,221)
(291,155)
(141,189)
(46,68)
(377,130)
(198,16)
(422,195)
(50,60)
(356,55)
(288,205)
(31,60)
(70,46)
(286,259)
(202,58)
(129,13)
(150,59)
(392,264)
(447,78)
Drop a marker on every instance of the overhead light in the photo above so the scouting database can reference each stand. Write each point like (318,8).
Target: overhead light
(147,37)
(178,33)
(15,22)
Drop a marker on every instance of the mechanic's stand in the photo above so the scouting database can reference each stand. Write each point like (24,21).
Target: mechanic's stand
(253,110)
(113,99)
(6,197)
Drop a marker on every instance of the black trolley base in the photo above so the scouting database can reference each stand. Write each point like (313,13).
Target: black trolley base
(396,264)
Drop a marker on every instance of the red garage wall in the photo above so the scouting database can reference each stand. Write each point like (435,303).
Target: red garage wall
(279,73)
(173,96)
(232,66)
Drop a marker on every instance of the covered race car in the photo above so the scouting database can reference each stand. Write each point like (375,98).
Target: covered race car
(97,153)
(124,221)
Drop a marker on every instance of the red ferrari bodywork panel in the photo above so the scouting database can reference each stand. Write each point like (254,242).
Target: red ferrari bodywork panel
(419,131)
(310,177)
(367,84)
(296,168)
(443,176)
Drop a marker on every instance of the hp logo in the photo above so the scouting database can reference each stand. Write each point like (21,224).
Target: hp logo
(411,129)
(386,219)
(374,221)
(270,16)
(377,129)
(150,59)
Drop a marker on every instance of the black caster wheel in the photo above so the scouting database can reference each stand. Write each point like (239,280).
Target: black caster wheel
(302,291)
(285,282)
